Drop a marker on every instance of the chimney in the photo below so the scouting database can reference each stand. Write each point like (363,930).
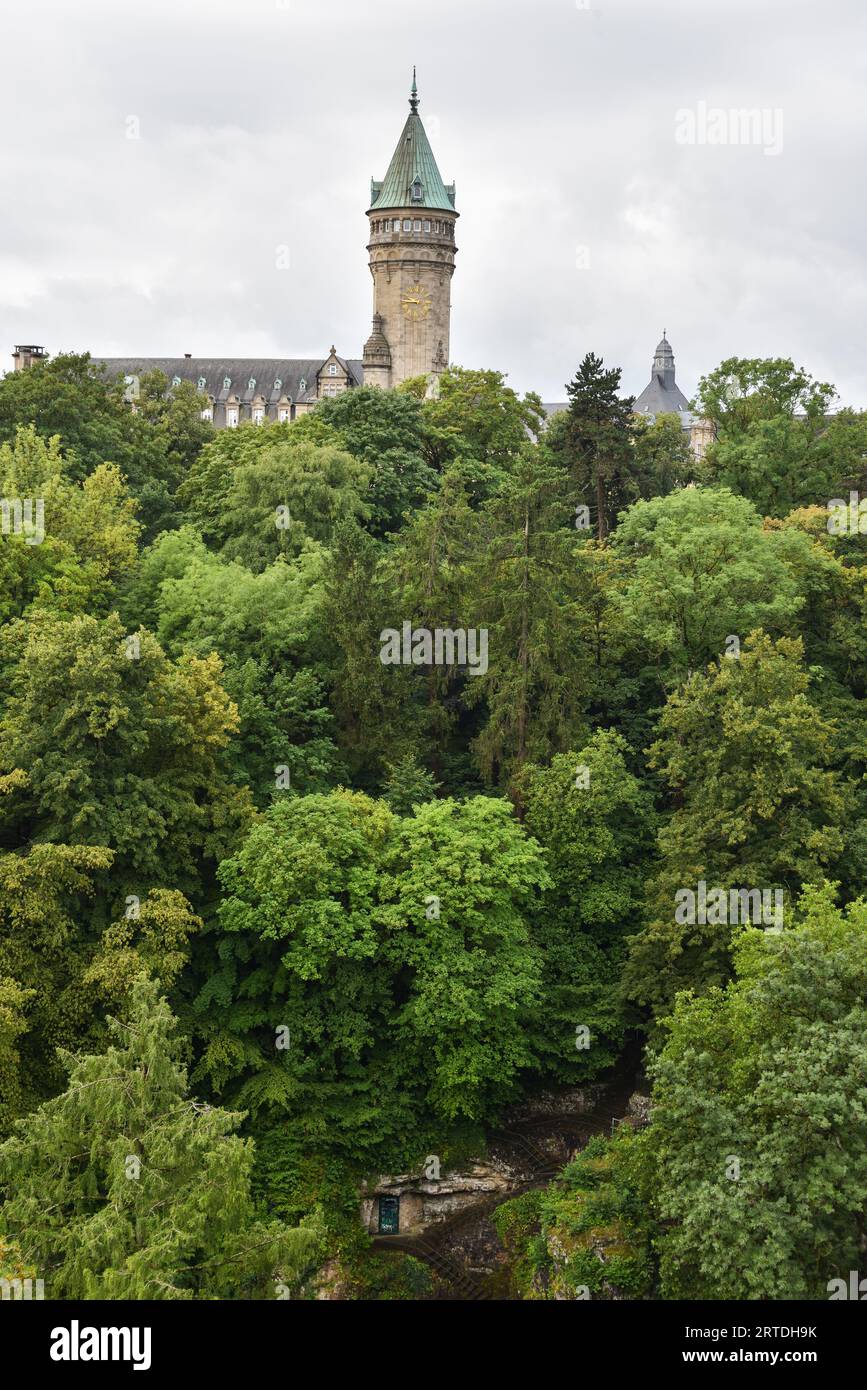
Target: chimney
(25,356)
(188,355)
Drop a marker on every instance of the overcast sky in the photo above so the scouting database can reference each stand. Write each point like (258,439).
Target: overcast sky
(586,220)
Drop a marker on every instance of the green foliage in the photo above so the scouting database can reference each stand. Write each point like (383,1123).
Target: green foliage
(598,836)
(209,778)
(120,747)
(125,1187)
(774,443)
(83,544)
(476,416)
(748,758)
(662,455)
(387,431)
(535,689)
(266,629)
(587,1235)
(369,962)
(760,1186)
(702,569)
(291,491)
(71,397)
(408,785)
(595,442)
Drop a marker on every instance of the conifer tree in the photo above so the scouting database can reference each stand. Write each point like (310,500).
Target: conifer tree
(598,441)
(126,1187)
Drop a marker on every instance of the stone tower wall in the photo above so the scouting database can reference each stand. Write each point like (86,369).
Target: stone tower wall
(409,265)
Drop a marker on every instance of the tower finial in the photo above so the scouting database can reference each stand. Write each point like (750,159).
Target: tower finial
(413,95)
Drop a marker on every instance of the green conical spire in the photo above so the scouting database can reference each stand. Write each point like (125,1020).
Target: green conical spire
(412,164)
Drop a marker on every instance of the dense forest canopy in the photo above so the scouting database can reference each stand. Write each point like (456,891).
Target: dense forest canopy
(349,767)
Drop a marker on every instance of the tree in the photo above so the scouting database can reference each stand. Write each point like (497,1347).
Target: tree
(61,969)
(662,455)
(760,1185)
(595,822)
(82,539)
(292,491)
(120,747)
(428,568)
(373,973)
(13,1022)
(203,493)
(741,391)
(535,689)
(475,416)
(374,715)
(387,431)
(757,806)
(459,883)
(72,397)
(268,631)
(296,998)
(772,441)
(702,569)
(408,785)
(596,441)
(125,1187)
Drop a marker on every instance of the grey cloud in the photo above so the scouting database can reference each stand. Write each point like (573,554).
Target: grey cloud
(261,125)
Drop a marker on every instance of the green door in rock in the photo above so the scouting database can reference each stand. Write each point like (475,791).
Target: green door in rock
(389,1216)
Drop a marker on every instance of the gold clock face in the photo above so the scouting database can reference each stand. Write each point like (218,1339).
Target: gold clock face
(416,302)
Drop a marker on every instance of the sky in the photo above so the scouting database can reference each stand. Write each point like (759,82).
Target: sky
(192,176)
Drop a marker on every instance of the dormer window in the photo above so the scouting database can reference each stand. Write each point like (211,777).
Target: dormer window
(251,384)
(302,385)
(176,381)
(227,382)
(332,369)
(202,383)
(415,192)
(277,384)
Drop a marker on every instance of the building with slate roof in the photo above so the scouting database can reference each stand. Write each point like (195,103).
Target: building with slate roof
(239,389)
(662,395)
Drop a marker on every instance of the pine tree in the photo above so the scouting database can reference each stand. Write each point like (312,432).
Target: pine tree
(598,441)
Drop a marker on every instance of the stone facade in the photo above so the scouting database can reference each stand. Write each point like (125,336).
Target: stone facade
(25,356)
(412,260)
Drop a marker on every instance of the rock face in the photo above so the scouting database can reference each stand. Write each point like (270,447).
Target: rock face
(577,1100)
(638,1109)
(425,1202)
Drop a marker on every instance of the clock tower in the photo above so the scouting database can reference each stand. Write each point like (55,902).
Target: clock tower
(412,259)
